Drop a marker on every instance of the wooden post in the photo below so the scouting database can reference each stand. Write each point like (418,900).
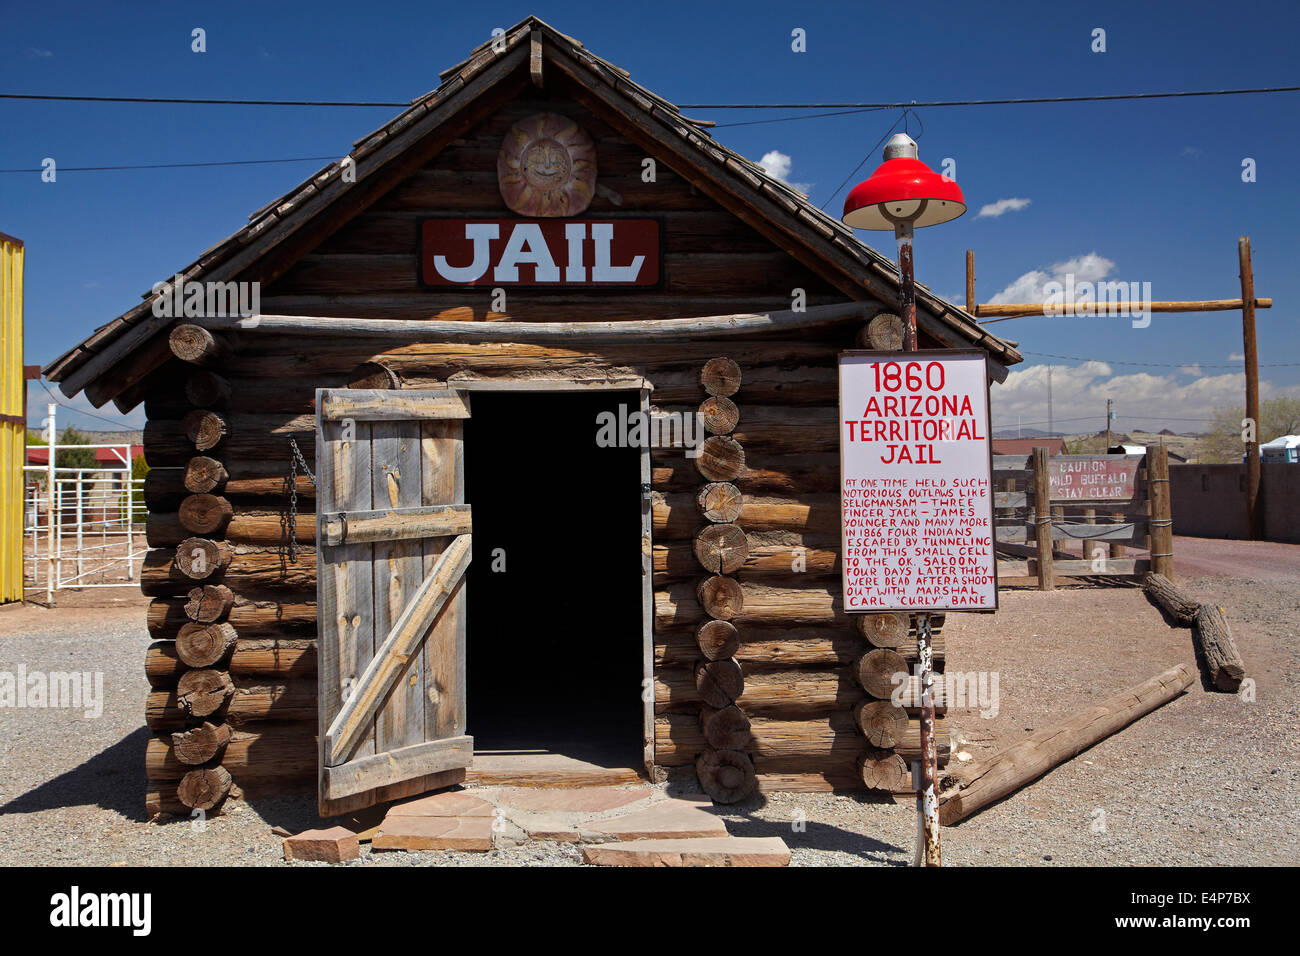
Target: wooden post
(1161,521)
(51,436)
(1117,550)
(1089,547)
(970,281)
(1042,518)
(1254,516)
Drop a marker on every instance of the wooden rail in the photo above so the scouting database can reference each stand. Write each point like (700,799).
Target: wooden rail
(1033,541)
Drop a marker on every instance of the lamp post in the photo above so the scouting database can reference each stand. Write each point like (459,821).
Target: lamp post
(901,194)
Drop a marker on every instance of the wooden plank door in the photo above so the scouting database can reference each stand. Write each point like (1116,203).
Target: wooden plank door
(392,533)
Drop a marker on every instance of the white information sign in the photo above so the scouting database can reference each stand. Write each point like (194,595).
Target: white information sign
(916,482)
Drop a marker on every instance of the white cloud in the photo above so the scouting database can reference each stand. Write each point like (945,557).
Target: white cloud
(779,166)
(1193,151)
(1079,396)
(35,52)
(1029,287)
(1236,357)
(1001,206)
(1190,369)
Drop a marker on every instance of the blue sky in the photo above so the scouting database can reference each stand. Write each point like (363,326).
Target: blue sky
(1134,191)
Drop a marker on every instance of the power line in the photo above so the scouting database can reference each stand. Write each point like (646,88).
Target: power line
(793,119)
(1000,102)
(1075,358)
(229,162)
(871,152)
(197,102)
(121,426)
(1016,101)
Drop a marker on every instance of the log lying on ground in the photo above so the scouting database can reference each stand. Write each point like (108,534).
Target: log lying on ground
(1211,634)
(1045,749)
(1173,601)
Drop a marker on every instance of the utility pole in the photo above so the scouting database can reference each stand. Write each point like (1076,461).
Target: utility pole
(1254,516)
(1109,416)
(1051,428)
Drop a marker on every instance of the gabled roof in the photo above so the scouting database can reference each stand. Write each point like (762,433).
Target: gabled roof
(816,238)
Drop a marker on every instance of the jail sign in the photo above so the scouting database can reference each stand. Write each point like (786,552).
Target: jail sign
(590,253)
(916,482)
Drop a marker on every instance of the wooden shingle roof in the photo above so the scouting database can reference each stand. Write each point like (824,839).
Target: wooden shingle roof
(807,232)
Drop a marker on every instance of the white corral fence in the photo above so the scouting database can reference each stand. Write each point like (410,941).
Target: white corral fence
(83,527)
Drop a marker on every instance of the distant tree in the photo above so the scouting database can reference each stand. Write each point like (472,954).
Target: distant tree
(74,457)
(1277,417)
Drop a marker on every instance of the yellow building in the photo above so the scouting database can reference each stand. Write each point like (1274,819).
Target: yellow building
(13,419)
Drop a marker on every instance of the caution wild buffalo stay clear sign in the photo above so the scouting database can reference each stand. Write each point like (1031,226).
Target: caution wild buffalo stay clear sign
(916,482)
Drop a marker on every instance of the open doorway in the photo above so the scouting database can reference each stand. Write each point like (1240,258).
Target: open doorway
(555,631)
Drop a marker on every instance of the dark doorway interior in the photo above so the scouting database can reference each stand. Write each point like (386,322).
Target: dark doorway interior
(553,642)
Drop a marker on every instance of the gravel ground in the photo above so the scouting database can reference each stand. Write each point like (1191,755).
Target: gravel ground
(1208,779)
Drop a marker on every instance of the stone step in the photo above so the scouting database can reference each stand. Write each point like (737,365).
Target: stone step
(708,851)
(410,832)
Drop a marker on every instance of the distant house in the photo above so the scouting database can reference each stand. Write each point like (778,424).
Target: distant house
(1026,446)
(110,458)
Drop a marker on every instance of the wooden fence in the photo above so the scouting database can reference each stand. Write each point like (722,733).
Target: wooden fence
(1045,505)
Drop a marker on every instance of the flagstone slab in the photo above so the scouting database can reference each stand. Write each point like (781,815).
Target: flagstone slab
(664,819)
(712,851)
(434,833)
(454,803)
(575,800)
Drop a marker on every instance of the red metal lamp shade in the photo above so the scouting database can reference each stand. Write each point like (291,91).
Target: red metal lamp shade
(903,189)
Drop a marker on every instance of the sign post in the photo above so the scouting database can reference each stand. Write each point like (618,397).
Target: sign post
(917,509)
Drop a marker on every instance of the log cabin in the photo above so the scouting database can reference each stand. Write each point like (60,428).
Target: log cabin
(406,527)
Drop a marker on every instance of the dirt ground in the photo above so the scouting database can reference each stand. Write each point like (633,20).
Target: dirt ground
(1208,779)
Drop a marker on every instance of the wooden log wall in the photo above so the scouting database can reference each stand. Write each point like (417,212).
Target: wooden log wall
(722,761)
(217,442)
(796,651)
(232,669)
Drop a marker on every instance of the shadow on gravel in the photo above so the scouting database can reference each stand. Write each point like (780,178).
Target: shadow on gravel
(817,836)
(112,779)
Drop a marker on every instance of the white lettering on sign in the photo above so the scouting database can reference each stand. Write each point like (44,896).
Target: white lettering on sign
(916,482)
(550,252)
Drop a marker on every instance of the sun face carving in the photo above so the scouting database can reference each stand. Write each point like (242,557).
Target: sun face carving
(546,167)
